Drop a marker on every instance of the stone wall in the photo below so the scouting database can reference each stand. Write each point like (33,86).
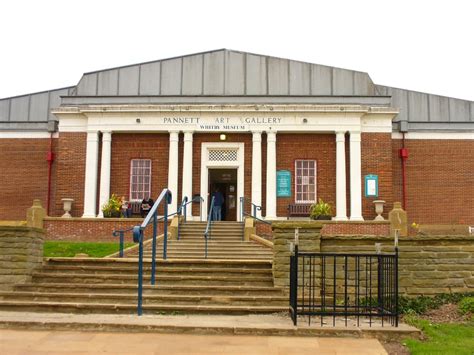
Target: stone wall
(21,252)
(428,265)
(283,235)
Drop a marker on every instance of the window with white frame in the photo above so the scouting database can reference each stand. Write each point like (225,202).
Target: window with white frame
(140,179)
(305,181)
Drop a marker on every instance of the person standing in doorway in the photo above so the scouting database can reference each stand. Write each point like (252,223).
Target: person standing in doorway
(218,202)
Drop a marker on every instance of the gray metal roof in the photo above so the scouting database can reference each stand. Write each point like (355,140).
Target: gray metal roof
(235,76)
(225,72)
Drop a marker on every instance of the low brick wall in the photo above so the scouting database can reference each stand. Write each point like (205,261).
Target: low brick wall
(356,228)
(428,265)
(21,252)
(90,229)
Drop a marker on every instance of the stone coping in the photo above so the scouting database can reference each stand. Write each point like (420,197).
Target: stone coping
(12,223)
(310,224)
(268,325)
(21,229)
(81,219)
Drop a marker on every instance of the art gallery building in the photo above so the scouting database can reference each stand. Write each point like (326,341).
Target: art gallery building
(279,132)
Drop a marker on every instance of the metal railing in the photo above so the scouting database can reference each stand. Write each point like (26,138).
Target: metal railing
(246,204)
(138,231)
(121,234)
(208,231)
(182,210)
(344,286)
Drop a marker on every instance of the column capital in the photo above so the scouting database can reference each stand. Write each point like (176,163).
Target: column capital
(256,136)
(174,136)
(188,136)
(106,136)
(340,136)
(271,136)
(354,136)
(92,136)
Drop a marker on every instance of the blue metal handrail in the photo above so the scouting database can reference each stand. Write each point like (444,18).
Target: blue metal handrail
(138,238)
(207,233)
(179,212)
(121,233)
(253,213)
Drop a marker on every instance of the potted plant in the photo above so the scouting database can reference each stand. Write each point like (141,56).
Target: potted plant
(321,210)
(113,207)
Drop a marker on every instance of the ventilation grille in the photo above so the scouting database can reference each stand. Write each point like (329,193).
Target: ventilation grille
(222,155)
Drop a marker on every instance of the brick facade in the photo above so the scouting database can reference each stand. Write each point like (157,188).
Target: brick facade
(440,180)
(376,155)
(70,172)
(437,170)
(128,146)
(320,147)
(24,175)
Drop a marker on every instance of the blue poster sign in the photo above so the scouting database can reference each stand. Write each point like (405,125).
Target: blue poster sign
(371,186)
(283,183)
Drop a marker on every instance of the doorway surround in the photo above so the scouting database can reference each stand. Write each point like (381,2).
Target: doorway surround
(221,155)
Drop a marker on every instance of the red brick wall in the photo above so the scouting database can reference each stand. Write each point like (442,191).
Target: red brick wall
(128,146)
(70,172)
(24,175)
(199,138)
(376,154)
(440,180)
(319,147)
(92,230)
(356,228)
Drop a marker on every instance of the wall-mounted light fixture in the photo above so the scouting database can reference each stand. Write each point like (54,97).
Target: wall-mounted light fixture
(138,120)
(222,137)
(305,120)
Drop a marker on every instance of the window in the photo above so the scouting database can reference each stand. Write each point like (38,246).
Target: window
(140,179)
(305,181)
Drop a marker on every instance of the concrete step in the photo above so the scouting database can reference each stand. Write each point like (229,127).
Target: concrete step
(259,280)
(205,290)
(215,256)
(147,299)
(186,263)
(215,249)
(162,270)
(67,307)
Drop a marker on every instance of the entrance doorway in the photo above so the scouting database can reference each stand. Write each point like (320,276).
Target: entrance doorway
(225,181)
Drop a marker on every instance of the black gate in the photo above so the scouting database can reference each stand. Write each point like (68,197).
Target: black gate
(334,286)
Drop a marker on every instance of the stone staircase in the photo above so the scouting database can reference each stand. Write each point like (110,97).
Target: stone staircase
(225,243)
(235,279)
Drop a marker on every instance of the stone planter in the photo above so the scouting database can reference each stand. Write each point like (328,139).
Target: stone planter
(67,206)
(379,209)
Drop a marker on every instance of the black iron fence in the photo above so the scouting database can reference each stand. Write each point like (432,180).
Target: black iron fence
(342,288)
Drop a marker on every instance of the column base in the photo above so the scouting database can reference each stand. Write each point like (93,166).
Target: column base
(344,218)
(357,218)
(89,215)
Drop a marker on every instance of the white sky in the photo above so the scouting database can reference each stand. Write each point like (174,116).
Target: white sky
(418,45)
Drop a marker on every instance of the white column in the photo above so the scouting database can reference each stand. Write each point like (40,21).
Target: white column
(257,170)
(356,195)
(188,170)
(271,176)
(341,203)
(173,171)
(90,183)
(104,193)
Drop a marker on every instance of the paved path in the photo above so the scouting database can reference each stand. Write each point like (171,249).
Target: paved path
(15,342)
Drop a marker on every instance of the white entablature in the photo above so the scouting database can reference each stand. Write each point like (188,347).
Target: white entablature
(232,118)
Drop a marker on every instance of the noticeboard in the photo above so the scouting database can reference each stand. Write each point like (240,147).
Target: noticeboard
(371,185)
(283,183)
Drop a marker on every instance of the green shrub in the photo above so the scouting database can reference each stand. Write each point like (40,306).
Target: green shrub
(320,209)
(466,305)
(113,207)
(421,304)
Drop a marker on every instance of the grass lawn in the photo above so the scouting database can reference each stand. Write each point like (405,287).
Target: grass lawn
(70,249)
(443,338)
